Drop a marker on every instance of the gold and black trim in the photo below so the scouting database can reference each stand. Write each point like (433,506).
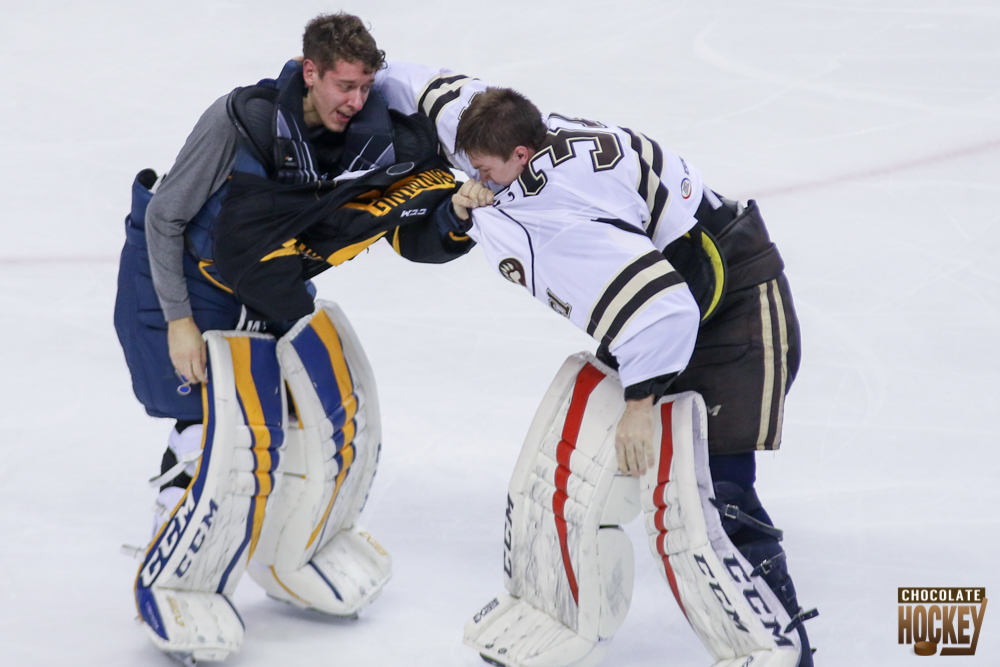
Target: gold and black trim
(404,191)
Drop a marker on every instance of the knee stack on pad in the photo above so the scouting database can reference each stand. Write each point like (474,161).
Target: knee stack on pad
(312,553)
(568,566)
(196,559)
(729,605)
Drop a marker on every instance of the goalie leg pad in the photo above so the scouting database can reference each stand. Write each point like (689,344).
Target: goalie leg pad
(759,544)
(568,567)
(312,553)
(731,609)
(194,563)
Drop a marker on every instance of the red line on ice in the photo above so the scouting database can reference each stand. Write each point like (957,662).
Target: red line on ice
(882,171)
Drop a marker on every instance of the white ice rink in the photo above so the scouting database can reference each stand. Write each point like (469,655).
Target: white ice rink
(868,130)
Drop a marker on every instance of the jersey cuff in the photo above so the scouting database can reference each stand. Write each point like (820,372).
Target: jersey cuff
(448,222)
(176,311)
(656,387)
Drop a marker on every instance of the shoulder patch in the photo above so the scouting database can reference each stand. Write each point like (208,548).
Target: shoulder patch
(686,188)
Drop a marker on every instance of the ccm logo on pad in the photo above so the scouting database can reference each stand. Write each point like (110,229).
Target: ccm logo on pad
(494,603)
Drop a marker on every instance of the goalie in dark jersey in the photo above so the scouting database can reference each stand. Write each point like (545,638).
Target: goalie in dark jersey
(277,182)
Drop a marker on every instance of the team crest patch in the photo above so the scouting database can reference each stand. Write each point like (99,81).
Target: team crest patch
(513,270)
(686,188)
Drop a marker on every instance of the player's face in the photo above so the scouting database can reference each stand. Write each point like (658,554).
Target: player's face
(500,171)
(339,93)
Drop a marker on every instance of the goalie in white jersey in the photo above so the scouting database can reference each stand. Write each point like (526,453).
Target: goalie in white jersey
(683,290)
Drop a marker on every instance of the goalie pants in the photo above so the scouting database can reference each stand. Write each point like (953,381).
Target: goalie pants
(142,329)
(743,365)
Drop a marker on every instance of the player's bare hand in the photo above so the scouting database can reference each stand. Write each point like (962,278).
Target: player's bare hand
(634,438)
(187,349)
(472,194)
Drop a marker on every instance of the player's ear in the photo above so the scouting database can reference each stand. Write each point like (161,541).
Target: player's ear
(522,154)
(310,73)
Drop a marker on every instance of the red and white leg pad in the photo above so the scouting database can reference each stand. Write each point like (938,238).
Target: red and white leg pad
(312,553)
(736,615)
(568,567)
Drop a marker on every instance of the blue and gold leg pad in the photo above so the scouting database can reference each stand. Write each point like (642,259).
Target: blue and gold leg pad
(183,589)
(312,553)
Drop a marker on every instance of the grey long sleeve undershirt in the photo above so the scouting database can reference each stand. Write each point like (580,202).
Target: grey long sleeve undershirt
(201,168)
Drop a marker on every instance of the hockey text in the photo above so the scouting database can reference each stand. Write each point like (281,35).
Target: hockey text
(741,579)
(198,539)
(168,542)
(932,616)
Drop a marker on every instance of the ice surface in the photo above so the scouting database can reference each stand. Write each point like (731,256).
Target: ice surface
(869,132)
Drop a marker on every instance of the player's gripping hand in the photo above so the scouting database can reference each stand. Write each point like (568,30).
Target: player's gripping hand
(634,438)
(472,194)
(187,349)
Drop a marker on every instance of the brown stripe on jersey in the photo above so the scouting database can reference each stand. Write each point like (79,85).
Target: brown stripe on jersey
(642,298)
(660,202)
(650,162)
(618,283)
(643,167)
(442,102)
(441,81)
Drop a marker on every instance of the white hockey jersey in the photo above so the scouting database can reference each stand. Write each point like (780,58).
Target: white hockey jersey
(582,227)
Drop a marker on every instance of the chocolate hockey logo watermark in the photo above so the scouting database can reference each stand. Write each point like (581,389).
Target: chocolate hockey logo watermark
(929,617)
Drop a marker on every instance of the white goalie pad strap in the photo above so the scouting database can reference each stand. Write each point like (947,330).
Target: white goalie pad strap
(328,469)
(562,558)
(213,530)
(736,615)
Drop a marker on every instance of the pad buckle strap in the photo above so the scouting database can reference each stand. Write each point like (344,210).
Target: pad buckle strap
(767,565)
(734,512)
(730,512)
(801,618)
(176,470)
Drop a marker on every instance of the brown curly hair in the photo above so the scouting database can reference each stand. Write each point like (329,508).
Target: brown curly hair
(332,37)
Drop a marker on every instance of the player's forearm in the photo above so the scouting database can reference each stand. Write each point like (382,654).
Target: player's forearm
(166,263)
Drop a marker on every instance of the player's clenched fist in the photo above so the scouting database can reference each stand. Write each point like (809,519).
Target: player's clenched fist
(634,438)
(187,349)
(472,194)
